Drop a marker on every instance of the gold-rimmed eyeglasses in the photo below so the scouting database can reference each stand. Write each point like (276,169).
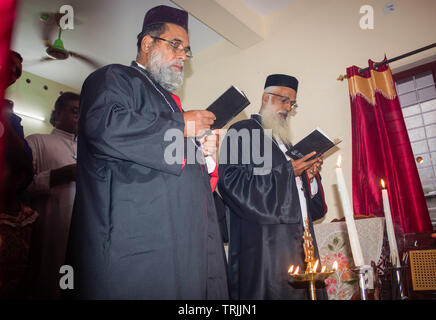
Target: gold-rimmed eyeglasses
(285,100)
(177,46)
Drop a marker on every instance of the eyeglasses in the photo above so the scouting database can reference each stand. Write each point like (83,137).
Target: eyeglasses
(177,46)
(285,100)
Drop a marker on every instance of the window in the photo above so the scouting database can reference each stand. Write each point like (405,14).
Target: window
(417,93)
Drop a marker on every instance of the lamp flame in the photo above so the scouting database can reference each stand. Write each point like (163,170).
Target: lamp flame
(335,266)
(323,269)
(291,269)
(315,266)
(297,270)
(338,163)
(382,182)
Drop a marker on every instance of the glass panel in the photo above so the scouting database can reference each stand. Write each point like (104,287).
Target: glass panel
(426,173)
(432,144)
(420,147)
(427,187)
(413,122)
(412,110)
(428,93)
(429,118)
(405,85)
(428,105)
(424,79)
(433,157)
(408,99)
(416,134)
(431,131)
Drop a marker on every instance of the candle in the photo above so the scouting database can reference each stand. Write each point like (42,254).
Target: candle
(349,217)
(395,260)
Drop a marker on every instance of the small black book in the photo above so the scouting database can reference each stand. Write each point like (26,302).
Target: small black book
(315,141)
(227,106)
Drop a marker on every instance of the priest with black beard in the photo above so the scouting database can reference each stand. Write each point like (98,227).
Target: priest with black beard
(144,224)
(270,201)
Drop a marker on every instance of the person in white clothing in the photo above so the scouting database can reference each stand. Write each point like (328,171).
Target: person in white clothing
(52,193)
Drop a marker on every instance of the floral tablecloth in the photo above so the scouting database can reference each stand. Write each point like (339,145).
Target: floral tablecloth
(333,245)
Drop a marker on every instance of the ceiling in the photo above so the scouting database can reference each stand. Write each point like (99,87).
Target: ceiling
(266,7)
(105,30)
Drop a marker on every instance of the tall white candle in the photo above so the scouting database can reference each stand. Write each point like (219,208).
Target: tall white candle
(349,217)
(395,257)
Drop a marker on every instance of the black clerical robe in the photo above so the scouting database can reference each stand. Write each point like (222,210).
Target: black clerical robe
(142,228)
(266,226)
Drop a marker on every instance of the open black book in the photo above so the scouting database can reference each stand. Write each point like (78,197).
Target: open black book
(227,106)
(314,141)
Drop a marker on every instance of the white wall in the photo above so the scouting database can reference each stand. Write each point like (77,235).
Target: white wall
(34,99)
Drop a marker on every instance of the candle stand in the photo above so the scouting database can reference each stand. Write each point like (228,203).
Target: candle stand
(311,275)
(310,278)
(398,291)
(361,271)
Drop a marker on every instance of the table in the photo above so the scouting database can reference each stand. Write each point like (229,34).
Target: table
(333,245)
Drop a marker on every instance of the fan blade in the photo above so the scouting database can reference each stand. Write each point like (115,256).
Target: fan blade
(46,59)
(93,63)
(27,63)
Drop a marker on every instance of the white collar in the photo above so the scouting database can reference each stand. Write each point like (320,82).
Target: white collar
(140,65)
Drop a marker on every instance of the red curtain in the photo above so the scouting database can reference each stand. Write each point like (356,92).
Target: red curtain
(7,16)
(382,150)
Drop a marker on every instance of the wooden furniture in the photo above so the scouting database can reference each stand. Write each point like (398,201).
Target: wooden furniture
(419,252)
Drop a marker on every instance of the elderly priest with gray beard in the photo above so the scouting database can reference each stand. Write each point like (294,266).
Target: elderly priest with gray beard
(268,207)
(144,227)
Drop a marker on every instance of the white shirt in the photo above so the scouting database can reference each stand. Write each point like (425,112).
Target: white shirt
(299,182)
(55,205)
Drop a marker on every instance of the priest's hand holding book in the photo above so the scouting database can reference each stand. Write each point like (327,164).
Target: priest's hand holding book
(315,169)
(210,142)
(197,122)
(312,167)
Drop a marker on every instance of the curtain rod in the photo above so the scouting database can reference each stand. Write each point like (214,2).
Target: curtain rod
(342,77)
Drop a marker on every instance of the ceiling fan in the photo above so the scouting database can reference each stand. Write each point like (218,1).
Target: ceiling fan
(57,50)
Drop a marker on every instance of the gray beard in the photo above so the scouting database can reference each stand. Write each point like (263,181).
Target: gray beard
(279,127)
(168,78)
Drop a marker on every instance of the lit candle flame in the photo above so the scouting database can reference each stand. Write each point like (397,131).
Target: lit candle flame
(297,270)
(335,266)
(382,182)
(291,269)
(315,266)
(338,163)
(323,269)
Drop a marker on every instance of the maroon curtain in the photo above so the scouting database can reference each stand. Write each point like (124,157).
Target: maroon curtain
(7,16)
(382,150)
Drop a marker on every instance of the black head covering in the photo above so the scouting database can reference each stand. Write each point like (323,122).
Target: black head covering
(165,14)
(281,80)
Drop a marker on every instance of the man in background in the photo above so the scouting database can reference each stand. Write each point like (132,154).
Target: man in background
(52,193)
(14,133)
